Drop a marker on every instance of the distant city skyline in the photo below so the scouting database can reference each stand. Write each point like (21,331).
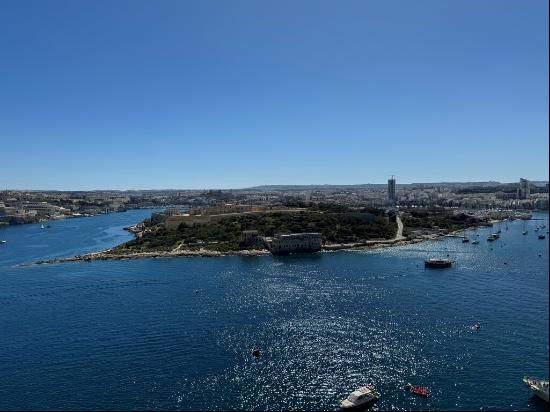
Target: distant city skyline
(198,95)
(313,185)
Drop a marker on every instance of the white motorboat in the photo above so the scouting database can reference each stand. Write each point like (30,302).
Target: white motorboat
(538,386)
(361,397)
(2,242)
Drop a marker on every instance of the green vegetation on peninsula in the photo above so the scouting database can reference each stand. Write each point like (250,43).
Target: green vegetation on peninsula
(336,223)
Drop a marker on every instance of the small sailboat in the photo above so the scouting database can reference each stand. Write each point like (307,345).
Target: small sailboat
(42,226)
(475,242)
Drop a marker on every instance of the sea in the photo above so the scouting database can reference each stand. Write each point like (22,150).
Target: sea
(177,333)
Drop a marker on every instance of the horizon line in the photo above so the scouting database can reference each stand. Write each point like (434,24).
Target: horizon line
(268,185)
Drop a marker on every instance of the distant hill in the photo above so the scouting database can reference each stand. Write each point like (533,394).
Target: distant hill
(275,188)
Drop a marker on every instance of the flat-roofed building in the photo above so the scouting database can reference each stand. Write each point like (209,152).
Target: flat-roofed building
(249,238)
(296,242)
(223,209)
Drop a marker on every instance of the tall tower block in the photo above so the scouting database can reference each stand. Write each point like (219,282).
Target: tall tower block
(391,191)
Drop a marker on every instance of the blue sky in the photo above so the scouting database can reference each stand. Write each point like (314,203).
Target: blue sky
(229,94)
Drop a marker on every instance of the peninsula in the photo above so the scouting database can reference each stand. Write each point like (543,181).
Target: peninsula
(252,230)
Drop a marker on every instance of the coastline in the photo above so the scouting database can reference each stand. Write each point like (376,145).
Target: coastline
(107,255)
(368,245)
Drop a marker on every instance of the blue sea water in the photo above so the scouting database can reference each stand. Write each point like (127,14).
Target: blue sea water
(134,334)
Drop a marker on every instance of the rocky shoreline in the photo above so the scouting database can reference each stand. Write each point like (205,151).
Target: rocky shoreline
(109,255)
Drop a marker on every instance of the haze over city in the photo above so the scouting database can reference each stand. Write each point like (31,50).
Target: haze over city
(194,95)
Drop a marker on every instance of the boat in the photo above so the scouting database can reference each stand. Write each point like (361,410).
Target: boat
(475,242)
(465,239)
(536,229)
(542,237)
(538,386)
(437,263)
(417,390)
(524,232)
(493,236)
(42,226)
(2,242)
(360,398)
(48,226)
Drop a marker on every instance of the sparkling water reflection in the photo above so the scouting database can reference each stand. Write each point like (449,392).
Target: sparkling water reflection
(134,334)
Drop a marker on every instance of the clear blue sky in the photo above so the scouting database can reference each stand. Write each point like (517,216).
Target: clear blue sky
(229,94)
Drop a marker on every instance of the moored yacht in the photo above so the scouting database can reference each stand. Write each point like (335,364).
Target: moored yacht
(538,386)
(438,263)
(360,398)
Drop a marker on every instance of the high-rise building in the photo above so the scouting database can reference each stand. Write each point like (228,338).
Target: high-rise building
(523,189)
(391,191)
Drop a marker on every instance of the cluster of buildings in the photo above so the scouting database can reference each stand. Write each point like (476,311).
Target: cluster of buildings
(18,207)
(195,206)
(521,196)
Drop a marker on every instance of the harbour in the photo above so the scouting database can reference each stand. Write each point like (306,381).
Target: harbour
(168,333)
